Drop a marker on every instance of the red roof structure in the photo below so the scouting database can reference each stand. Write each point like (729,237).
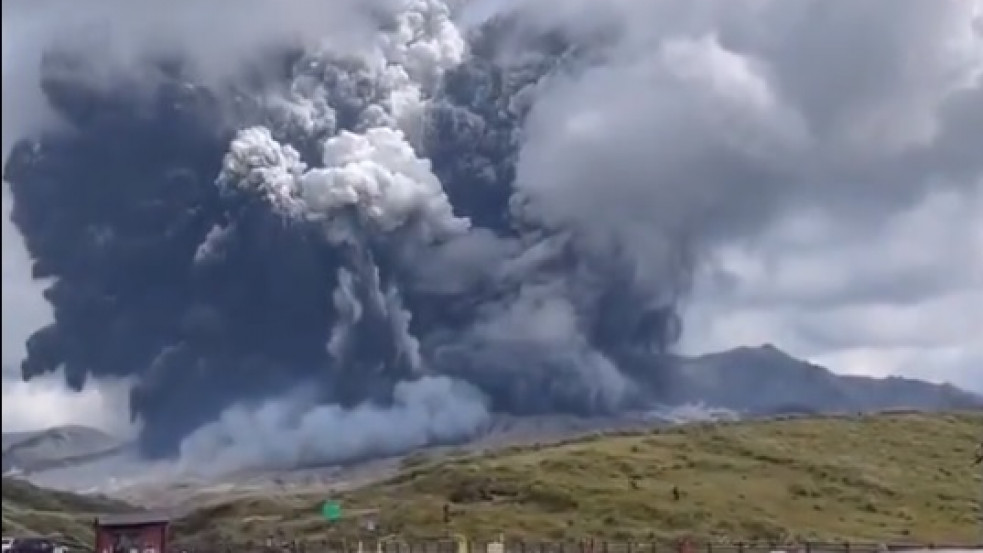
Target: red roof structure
(142,532)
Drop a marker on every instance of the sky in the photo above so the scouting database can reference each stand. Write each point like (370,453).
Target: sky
(904,300)
(869,262)
(829,151)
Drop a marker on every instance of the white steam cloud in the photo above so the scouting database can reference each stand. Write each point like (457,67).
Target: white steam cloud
(376,172)
(690,131)
(740,125)
(44,403)
(698,123)
(732,115)
(285,434)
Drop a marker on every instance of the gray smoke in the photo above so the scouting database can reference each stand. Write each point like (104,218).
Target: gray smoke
(294,432)
(308,251)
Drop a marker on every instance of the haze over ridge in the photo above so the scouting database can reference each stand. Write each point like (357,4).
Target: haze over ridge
(496,208)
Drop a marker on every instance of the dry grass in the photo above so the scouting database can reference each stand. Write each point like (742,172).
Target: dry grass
(903,477)
(31,511)
(889,477)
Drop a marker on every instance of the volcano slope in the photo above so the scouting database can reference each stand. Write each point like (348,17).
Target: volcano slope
(887,477)
(30,510)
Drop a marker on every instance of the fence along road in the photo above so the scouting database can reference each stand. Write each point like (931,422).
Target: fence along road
(460,544)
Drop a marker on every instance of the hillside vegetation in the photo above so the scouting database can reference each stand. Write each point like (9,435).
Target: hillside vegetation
(888,477)
(31,511)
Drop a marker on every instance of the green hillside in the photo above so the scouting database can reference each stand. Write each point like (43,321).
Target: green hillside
(892,477)
(30,511)
(889,477)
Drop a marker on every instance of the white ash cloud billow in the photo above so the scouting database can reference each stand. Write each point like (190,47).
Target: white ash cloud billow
(379,223)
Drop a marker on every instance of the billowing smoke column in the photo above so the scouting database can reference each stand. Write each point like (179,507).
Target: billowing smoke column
(327,251)
(328,260)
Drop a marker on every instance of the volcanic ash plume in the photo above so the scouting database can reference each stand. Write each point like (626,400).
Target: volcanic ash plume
(324,266)
(332,249)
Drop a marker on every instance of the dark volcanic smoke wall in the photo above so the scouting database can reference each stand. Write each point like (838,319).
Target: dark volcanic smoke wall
(344,242)
(306,254)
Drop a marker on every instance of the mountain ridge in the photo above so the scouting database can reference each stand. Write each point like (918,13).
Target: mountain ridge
(895,477)
(57,447)
(749,381)
(766,380)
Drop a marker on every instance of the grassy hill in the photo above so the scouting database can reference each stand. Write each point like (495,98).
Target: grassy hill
(904,477)
(888,477)
(29,510)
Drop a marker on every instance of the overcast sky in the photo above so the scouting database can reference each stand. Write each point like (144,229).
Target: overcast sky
(883,276)
(831,154)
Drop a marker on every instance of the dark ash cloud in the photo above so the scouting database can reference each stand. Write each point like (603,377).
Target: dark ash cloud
(386,236)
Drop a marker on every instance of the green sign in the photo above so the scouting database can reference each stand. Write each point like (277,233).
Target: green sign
(331,510)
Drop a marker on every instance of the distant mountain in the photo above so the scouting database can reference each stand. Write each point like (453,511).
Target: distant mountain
(56,447)
(765,380)
(746,381)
